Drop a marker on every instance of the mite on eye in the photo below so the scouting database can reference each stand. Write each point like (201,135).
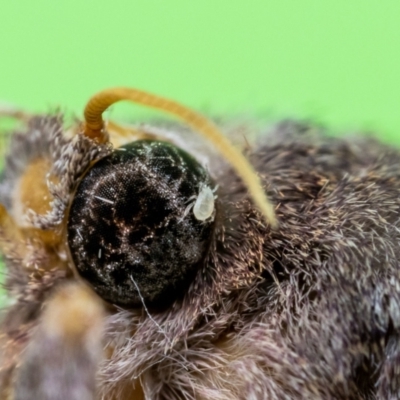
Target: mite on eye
(125,225)
(203,208)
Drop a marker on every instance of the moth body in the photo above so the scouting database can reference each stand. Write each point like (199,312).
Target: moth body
(120,293)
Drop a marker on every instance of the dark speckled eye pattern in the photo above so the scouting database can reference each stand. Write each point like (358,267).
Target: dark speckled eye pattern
(128,231)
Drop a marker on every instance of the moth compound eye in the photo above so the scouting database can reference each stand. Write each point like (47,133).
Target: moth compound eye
(128,232)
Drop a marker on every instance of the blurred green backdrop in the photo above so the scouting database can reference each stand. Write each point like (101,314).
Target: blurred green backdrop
(334,60)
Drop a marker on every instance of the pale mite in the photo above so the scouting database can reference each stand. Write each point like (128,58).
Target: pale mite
(204,205)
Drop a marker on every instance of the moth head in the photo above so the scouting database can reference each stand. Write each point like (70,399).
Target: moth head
(142,218)
(139,218)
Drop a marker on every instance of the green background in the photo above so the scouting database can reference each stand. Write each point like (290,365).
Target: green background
(334,61)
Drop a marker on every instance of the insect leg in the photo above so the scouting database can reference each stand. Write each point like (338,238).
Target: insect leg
(62,358)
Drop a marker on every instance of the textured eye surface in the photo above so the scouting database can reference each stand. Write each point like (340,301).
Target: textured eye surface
(129,232)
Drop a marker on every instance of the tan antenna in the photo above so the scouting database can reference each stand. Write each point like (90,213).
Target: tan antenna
(94,128)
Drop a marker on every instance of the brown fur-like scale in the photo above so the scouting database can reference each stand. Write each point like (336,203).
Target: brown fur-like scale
(310,310)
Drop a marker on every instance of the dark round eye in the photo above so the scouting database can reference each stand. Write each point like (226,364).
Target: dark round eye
(133,231)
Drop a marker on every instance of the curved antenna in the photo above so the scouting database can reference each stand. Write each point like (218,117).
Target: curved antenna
(94,128)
